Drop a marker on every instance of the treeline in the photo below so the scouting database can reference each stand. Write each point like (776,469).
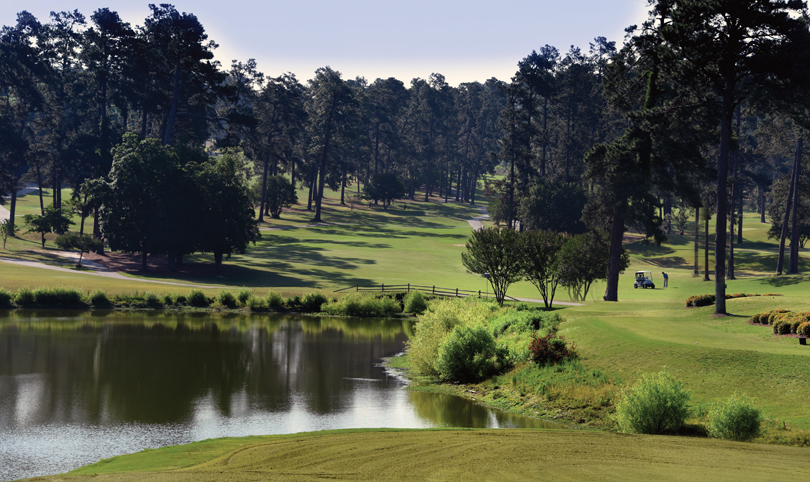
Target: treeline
(684,119)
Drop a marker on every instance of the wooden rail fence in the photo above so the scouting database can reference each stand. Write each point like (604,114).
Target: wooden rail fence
(432,290)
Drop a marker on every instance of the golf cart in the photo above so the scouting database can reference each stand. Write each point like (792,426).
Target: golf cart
(644,280)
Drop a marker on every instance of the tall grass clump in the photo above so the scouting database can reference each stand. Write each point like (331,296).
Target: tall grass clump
(6,299)
(362,304)
(152,300)
(312,302)
(656,404)
(274,300)
(226,299)
(243,296)
(57,296)
(414,303)
(735,418)
(436,323)
(24,297)
(197,298)
(99,299)
(256,304)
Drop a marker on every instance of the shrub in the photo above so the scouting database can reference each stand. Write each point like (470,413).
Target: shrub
(243,296)
(774,314)
(781,327)
(256,304)
(772,294)
(550,349)
(180,300)
(735,419)
(152,300)
(24,297)
(656,404)
(99,299)
(294,303)
(522,321)
(469,354)
(312,302)
(226,299)
(197,298)
(794,324)
(415,302)
(700,300)
(167,300)
(57,296)
(359,304)
(803,329)
(6,299)
(274,301)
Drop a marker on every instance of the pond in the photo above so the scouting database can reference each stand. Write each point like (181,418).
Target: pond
(76,387)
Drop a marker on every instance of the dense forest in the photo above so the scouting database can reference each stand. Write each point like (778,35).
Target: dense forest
(701,112)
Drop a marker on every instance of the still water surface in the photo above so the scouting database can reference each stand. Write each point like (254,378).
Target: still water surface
(79,387)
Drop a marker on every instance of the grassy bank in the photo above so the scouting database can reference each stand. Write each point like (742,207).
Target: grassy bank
(454,455)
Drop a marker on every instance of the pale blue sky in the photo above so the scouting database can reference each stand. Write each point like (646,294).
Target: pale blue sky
(464,40)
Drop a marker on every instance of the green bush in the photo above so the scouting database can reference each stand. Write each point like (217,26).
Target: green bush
(775,315)
(197,298)
(781,327)
(362,304)
(57,296)
(256,304)
(312,302)
(522,321)
(656,404)
(274,301)
(243,296)
(700,300)
(152,300)
(415,302)
(180,300)
(167,299)
(804,329)
(6,299)
(24,297)
(735,419)
(99,299)
(469,354)
(227,299)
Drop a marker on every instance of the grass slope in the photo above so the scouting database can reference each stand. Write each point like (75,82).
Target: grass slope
(454,455)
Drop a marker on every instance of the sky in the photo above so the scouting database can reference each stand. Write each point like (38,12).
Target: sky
(464,40)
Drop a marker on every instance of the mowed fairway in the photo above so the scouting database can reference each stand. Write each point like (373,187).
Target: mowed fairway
(451,455)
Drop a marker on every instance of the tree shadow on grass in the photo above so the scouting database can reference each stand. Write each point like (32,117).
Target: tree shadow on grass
(784,280)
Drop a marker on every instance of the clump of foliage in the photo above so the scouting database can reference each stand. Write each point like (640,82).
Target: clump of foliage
(6,299)
(152,301)
(735,418)
(495,252)
(197,298)
(312,302)
(167,299)
(99,299)
(256,304)
(180,300)
(5,231)
(700,300)
(279,194)
(414,302)
(656,404)
(50,221)
(436,323)
(550,349)
(362,304)
(226,299)
(57,296)
(385,187)
(24,297)
(469,354)
(243,296)
(83,243)
(274,300)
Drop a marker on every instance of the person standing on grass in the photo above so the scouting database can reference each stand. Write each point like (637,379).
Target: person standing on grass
(666,279)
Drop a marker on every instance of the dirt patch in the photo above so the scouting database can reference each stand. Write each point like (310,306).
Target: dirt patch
(156,265)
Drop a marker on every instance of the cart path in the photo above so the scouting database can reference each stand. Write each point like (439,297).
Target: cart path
(5,213)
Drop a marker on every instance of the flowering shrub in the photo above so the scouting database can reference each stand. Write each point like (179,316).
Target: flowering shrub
(550,349)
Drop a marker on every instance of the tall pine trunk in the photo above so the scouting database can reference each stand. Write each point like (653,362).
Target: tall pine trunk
(697,242)
(794,232)
(780,260)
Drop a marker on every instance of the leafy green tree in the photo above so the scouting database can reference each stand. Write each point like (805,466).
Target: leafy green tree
(51,221)
(495,252)
(385,187)
(5,231)
(540,260)
(656,404)
(280,193)
(779,194)
(582,260)
(226,214)
(83,243)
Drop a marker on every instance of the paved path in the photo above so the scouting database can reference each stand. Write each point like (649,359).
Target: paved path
(476,222)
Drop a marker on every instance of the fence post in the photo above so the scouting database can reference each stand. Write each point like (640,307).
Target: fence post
(434,289)
(409,287)
(456,292)
(383,286)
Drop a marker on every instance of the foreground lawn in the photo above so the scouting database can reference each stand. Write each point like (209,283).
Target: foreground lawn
(454,455)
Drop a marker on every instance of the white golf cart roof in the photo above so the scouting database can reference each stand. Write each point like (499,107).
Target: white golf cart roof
(642,272)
